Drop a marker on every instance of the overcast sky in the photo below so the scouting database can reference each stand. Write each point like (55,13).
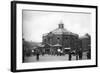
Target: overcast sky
(37,23)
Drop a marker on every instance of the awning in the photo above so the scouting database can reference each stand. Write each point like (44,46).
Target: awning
(67,48)
(57,45)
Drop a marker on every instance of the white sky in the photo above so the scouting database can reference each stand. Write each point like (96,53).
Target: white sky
(37,23)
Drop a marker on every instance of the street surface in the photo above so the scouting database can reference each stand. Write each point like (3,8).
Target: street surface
(51,58)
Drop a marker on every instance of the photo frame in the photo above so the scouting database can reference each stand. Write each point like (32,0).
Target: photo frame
(36,21)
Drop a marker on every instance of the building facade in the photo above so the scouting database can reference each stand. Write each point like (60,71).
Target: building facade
(85,42)
(61,39)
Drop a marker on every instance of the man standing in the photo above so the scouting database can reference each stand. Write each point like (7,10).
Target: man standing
(77,54)
(80,54)
(37,55)
(70,56)
(89,54)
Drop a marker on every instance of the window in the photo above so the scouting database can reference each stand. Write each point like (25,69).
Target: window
(66,38)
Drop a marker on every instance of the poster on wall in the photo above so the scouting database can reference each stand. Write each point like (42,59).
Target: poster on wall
(48,36)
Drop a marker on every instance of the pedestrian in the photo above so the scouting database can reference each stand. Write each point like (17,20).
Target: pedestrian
(70,56)
(76,53)
(77,56)
(37,56)
(89,54)
(80,54)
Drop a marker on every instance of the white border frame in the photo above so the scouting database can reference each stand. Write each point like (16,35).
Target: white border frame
(35,65)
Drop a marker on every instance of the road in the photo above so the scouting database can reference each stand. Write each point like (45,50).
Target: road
(51,58)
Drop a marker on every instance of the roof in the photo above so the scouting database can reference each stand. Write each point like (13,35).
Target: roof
(61,30)
(45,34)
(85,36)
(57,45)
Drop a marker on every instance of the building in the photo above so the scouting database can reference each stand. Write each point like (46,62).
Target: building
(85,42)
(60,40)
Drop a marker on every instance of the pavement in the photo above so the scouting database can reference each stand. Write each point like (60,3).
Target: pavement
(51,58)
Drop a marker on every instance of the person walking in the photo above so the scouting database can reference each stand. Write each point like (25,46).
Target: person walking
(77,54)
(80,54)
(70,56)
(89,54)
(37,55)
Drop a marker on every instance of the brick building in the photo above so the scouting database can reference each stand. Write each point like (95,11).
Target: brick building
(60,39)
(85,42)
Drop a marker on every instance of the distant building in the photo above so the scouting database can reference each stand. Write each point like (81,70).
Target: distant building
(85,42)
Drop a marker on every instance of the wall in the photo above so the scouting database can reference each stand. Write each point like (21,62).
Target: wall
(5,36)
